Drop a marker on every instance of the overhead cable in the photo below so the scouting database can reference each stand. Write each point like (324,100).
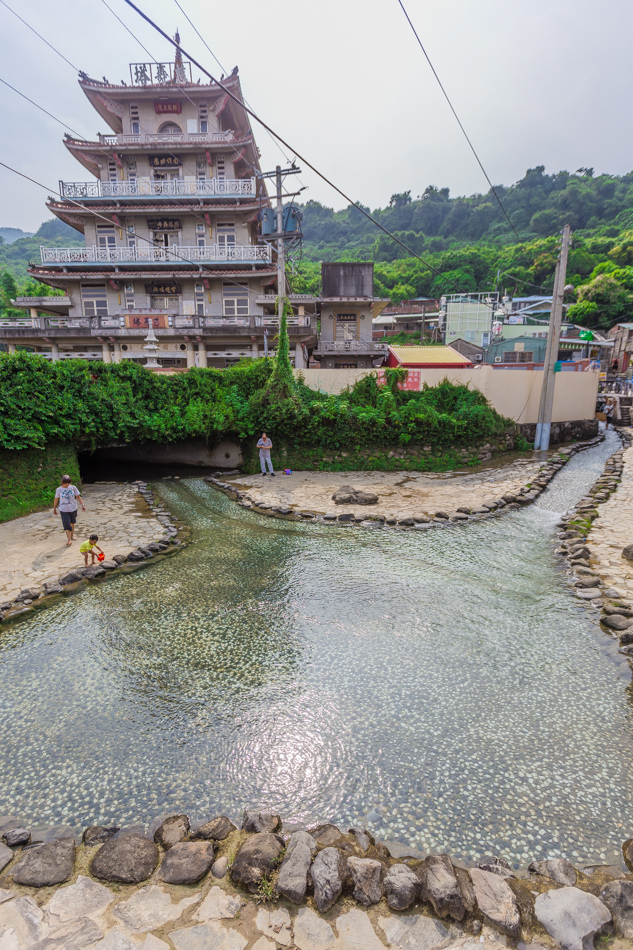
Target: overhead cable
(459,121)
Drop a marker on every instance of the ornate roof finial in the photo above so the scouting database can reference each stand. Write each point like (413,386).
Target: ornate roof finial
(179,69)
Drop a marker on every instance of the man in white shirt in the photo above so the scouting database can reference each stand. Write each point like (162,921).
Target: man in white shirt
(265,445)
(66,499)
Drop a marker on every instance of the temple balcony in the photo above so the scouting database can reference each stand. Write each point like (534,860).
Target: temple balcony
(150,254)
(147,187)
(169,138)
(337,347)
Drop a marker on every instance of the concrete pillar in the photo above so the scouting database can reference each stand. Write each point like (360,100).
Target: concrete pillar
(191,355)
(12,347)
(107,353)
(202,355)
(34,316)
(300,362)
(116,355)
(255,349)
(54,352)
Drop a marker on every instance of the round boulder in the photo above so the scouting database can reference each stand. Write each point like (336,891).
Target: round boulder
(128,859)
(172,830)
(215,830)
(187,862)
(258,857)
(46,865)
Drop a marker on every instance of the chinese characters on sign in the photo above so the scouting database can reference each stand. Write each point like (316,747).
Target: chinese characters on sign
(164,108)
(163,224)
(140,321)
(164,161)
(411,383)
(162,288)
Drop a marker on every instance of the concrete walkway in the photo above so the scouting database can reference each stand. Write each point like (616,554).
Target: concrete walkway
(33,549)
(612,531)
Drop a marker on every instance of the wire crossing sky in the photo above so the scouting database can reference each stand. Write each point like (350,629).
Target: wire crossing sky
(534,83)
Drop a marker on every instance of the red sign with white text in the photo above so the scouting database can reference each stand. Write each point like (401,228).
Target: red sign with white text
(412,382)
(167,108)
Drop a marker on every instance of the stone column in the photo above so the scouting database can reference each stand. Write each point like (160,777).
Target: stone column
(12,347)
(202,355)
(107,354)
(300,362)
(116,356)
(34,316)
(54,352)
(191,355)
(255,349)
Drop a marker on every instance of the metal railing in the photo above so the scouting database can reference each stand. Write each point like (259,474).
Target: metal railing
(292,321)
(168,138)
(117,321)
(148,253)
(148,187)
(298,298)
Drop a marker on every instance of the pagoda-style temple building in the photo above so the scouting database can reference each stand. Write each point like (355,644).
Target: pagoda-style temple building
(170,212)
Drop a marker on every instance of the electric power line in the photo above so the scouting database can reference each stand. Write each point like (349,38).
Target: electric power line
(459,122)
(3,2)
(283,141)
(41,108)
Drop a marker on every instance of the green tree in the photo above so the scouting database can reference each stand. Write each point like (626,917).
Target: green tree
(612,300)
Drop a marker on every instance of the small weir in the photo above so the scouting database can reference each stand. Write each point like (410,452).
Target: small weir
(443,688)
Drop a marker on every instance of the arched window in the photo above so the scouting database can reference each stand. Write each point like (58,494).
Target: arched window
(170,128)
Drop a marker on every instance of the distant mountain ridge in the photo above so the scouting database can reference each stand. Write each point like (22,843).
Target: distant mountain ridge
(14,234)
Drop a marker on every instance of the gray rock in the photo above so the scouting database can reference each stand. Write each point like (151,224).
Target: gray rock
(495,866)
(48,864)
(346,495)
(173,829)
(442,515)
(616,621)
(327,878)
(366,880)
(120,558)
(326,835)
(29,593)
(628,552)
(627,853)
(606,870)
(293,874)
(441,887)
(50,589)
(126,859)
(74,935)
(109,565)
(571,916)
(98,834)
(215,830)
(496,901)
(363,838)
(618,897)
(16,837)
(557,869)
(187,862)
(257,857)
(304,838)
(95,570)
(220,867)
(586,580)
(402,887)
(135,556)
(311,932)
(6,856)
(260,821)
(71,578)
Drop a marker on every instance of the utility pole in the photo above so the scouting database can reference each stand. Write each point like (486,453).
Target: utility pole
(544,424)
(280,237)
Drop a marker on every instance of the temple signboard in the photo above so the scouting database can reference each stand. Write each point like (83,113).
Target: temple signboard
(140,321)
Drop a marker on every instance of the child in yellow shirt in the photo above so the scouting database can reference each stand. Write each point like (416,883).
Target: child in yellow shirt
(86,548)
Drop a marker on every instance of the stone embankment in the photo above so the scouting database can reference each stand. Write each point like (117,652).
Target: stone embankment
(415,500)
(213,886)
(122,515)
(596,537)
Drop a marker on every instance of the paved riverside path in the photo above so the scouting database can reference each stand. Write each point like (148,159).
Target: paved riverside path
(613,530)
(400,493)
(33,549)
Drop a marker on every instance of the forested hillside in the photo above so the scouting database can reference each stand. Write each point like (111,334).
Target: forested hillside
(466,243)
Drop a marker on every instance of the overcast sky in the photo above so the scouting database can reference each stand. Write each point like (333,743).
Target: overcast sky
(535,82)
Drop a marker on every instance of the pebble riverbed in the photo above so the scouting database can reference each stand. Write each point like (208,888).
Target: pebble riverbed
(443,688)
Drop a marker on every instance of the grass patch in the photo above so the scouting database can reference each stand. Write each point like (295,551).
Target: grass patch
(29,477)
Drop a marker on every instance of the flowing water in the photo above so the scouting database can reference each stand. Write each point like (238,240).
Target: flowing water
(443,688)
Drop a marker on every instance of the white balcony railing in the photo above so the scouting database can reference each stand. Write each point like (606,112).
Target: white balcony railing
(167,138)
(148,253)
(226,321)
(147,187)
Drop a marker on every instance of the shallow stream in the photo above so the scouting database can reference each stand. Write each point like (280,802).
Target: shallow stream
(443,688)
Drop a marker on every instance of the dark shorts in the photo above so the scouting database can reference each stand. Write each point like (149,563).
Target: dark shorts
(68,519)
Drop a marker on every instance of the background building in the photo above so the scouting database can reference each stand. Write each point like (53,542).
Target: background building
(171,225)
(348,307)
